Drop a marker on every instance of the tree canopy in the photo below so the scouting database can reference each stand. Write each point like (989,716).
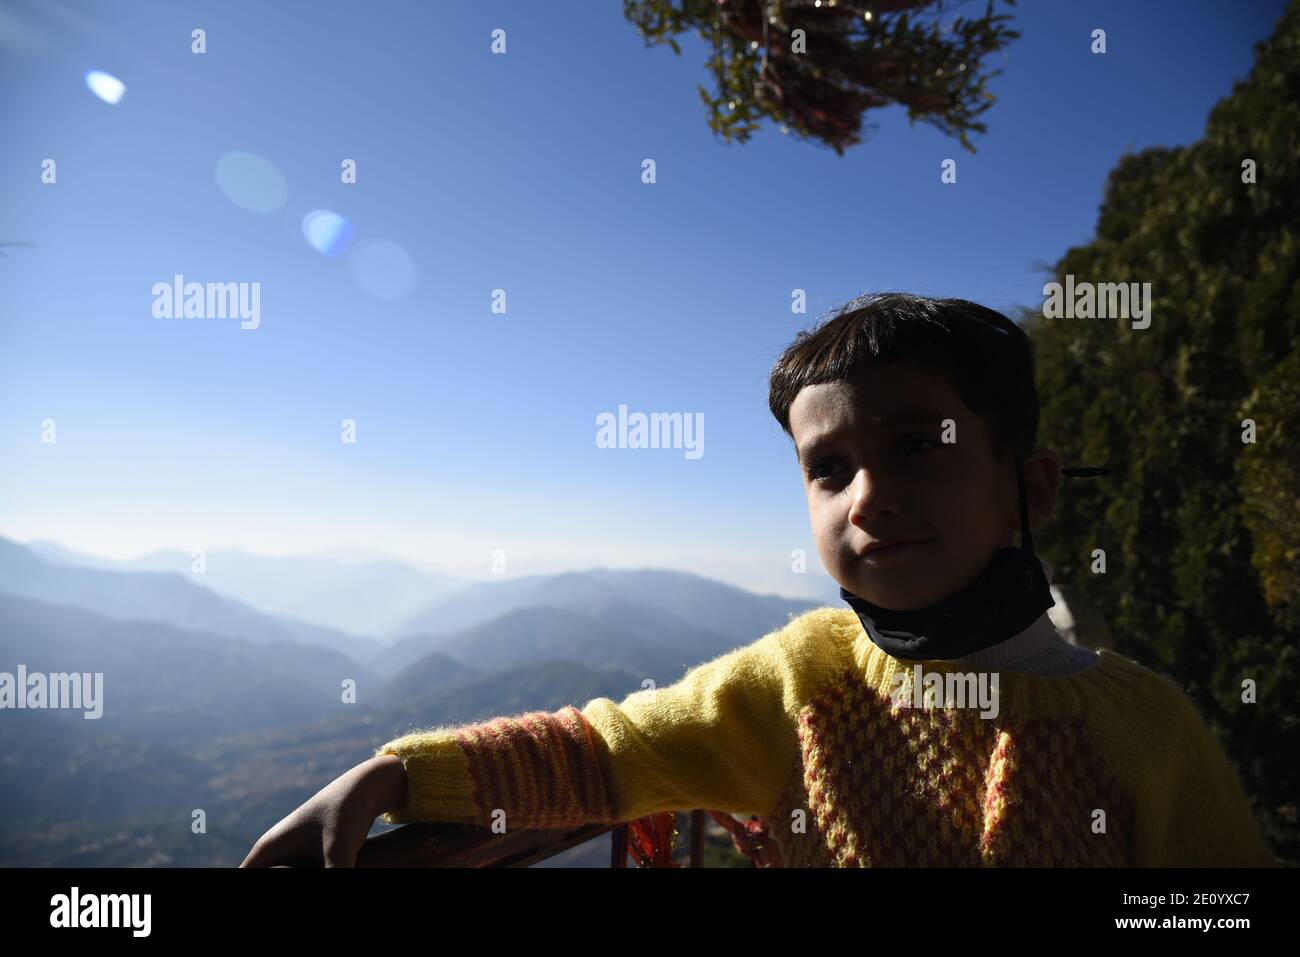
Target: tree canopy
(1199,519)
(815,66)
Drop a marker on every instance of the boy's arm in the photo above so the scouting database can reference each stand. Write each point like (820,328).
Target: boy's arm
(719,738)
(1195,813)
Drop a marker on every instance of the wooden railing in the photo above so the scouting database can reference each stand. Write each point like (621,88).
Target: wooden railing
(462,845)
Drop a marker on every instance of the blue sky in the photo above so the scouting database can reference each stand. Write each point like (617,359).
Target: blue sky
(476,431)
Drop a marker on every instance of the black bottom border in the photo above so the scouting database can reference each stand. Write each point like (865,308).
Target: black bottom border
(333,905)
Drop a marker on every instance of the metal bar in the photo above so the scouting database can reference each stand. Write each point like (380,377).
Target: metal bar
(697,838)
(463,845)
(618,847)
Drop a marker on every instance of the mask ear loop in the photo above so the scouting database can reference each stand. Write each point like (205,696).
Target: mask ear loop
(1026,536)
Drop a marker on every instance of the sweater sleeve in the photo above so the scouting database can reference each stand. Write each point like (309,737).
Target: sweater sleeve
(720,738)
(1196,814)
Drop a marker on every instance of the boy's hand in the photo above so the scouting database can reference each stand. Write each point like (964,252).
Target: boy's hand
(333,824)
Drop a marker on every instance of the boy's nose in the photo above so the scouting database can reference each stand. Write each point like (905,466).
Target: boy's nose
(871,498)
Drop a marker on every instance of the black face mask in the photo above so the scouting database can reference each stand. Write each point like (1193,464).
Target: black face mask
(1005,598)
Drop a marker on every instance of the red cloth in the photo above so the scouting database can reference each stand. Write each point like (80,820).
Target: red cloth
(651,839)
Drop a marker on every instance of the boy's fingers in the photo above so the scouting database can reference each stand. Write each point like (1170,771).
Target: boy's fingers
(279,845)
(338,854)
(256,857)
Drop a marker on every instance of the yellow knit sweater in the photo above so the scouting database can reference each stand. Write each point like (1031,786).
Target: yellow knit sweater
(818,731)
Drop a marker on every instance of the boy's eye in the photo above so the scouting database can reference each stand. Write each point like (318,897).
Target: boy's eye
(910,442)
(812,471)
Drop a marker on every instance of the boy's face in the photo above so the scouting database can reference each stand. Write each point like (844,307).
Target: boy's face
(883,473)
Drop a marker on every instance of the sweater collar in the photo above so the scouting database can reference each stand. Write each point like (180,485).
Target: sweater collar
(1040,649)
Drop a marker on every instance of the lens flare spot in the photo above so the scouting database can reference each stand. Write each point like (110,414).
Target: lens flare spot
(105,86)
(382,268)
(252,182)
(328,232)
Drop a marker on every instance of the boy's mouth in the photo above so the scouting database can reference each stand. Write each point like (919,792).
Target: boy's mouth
(879,551)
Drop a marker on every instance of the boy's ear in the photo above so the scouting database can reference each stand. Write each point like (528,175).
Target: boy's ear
(1013,501)
(1042,483)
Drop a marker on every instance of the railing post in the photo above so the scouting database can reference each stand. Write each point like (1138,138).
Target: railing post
(618,846)
(697,838)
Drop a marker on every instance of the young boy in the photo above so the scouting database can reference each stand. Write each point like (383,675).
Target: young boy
(938,720)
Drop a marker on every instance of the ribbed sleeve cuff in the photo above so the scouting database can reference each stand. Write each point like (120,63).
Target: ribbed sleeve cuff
(540,769)
(441,787)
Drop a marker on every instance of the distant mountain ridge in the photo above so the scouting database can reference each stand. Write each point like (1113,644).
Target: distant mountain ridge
(366,598)
(210,703)
(246,731)
(670,595)
(160,596)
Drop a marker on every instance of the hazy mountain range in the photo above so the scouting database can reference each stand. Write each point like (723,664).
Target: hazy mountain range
(367,598)
(215,698)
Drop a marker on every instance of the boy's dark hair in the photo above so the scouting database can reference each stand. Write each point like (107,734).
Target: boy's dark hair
(984,356)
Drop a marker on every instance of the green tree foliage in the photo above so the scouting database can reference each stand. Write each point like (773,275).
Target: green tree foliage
(856,55)
(1199,527)
(1270,490)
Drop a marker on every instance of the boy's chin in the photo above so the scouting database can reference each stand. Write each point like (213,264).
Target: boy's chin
(897,596)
